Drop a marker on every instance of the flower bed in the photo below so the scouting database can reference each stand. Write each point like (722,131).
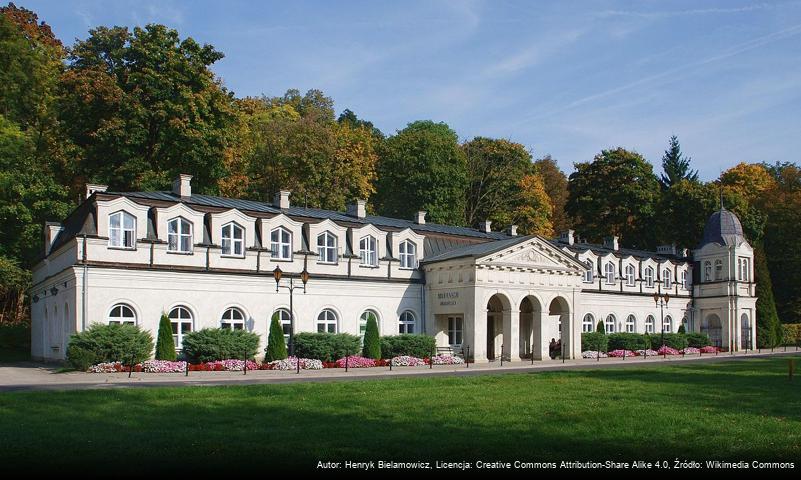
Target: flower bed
(709,349)
(355,361)
(106,367)
(446,360)
(622,353)
(667,351)
(592,354)
(649,352)
(691,351)
(407,361)
(163,366)
(230,365)
(291,363)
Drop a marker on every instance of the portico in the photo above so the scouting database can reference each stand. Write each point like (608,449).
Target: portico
(507,298)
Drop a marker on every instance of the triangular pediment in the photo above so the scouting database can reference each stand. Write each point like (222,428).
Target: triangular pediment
(535,253)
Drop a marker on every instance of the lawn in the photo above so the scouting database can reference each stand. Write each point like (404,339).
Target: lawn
(738,410)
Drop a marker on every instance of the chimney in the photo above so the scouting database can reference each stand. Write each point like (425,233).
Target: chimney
(567,237)
(611,242)
(281,199)
(666,249)
(357,209)
(51,231)
(182,185)
(420,218)
(486,226)
(513,230)
(94,187)
(683,253)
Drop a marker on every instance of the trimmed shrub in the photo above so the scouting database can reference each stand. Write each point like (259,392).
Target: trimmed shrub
(600,328)
(626,341)
(594,341)
(697,340)
(792,333)
(109,343)
(276,345)
(165,346)
(17,336)
(372,344)
(682,329)
(326,347)
(410,345)
(673,340)
(210,344)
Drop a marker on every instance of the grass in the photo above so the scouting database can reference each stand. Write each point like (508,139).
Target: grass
(739,410)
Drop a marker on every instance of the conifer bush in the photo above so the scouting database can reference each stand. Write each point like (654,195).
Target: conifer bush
(372,344)
(109,343)
(407,344)
(276,345)
(211,344)
(591,341)
(600,328)
(165,345)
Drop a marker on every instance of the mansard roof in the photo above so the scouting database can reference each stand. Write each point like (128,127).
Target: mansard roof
(724,228)
(602,250)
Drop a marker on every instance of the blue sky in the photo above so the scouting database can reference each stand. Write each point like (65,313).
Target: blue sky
(562,78)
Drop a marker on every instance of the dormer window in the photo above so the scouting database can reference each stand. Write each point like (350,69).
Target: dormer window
(233,240)
(179,235)
(718,269)
(368,251)
(121,230)
(685,280)
(610,273)
(281,244)
(649,277)
(408,254)
(707,271)
(588,272)
(666,279)
(326,248)
(630,275)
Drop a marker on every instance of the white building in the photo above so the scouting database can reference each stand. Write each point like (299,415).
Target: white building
(209,261)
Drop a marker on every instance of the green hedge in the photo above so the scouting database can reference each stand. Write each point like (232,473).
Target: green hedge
(211,344)
(16,336)
(109,343)
(792,333)
(672,340)
(414,345)
(698,340)
(327,347)
(626,341)
(594,341)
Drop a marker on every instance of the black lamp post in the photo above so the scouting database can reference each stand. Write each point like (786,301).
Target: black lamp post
(304,278)
(662,301)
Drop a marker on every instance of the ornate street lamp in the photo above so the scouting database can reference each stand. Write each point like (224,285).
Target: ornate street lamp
(662,301)
(304,278)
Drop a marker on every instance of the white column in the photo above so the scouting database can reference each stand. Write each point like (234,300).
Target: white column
(511,334)
(476,332)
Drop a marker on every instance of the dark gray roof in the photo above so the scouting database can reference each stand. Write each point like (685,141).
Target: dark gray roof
(316,213)
(724,228)
(601,250)
(477,250)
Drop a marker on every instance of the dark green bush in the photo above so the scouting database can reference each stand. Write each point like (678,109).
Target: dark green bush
(413,345)
(80,358)
(594,341)
(276,345)
(697,340)
(600,328)
(672,340)
(681,329)
(110,343)
(211,344)
(165,345)
(16,336)
(372,344)
(626,341)
(327,347)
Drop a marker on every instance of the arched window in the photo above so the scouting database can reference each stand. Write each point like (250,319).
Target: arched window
(739,269)
(631,324)
(630,275)
(408,254)
(667,280)
(745,333)
(181,320)
(285,320)
(610,323)
(121,314)
(610,273)
(233,240)
(327,321)
(649,277)
(588,324)
(281,244)
(707,271)
(179,235)
(588,273)
(368,251)
(121,230)
(407,322)
(684,277)
(233,319)
(363,319)
(649,324)
(744,270)
(667,325)
(718,269)
(327,248)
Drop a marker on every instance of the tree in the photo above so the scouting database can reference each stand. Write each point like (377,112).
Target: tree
(615,194)
(422,168)
(347,116)
(600,328)
(165,345)
(683,211)
(372,343)
(276,345)
(554,181)
(143,106)
(767,319)
(681,329)
(676,166)
(532,210)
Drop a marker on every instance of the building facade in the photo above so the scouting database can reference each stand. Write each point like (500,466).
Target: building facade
(209,262)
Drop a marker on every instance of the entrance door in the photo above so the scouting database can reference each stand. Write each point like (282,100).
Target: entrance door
(490,337)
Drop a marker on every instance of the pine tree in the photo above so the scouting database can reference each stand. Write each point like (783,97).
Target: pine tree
(676,165)
(165,346)
(682,329)
(276,346)
(600,327)
(372,344)
(769,329)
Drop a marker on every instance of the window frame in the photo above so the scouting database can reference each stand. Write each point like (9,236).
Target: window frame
(179,322)
(325,249)
(667,280)
(588,321)
(707,271)
(232,228)
(631,275)
(123,215)
(406,326)
(631,324)
(667,324)
(368,257)
(718,270)
(609,273)
(233,322)
(455,330)
(119,320)
(181,222)
(613,322)
(286,323)
(277,247)
(406,258)
(326,322)
(648,275)
(650,324)
(364,318)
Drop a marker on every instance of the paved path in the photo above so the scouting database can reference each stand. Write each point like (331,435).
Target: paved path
(37,376)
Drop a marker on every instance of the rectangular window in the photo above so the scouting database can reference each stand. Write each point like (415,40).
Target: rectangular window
(455,329)
(368,251)
(327,248)
(281,244)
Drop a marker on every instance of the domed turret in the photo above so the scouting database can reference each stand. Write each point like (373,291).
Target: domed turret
(724,228)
